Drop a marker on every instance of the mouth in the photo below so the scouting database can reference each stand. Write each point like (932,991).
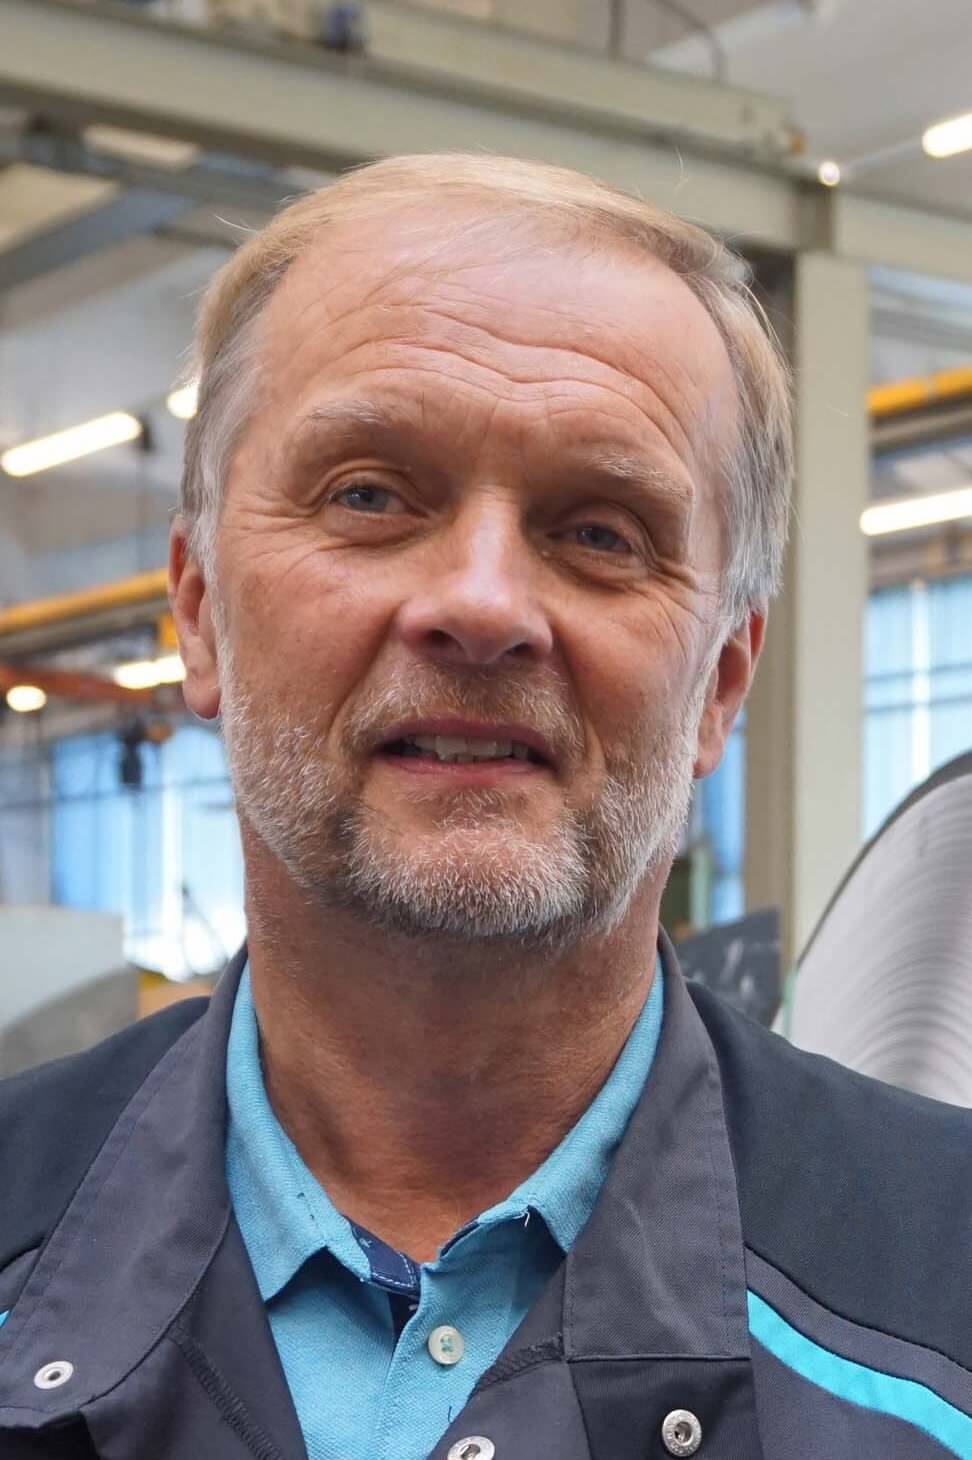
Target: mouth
(487,747)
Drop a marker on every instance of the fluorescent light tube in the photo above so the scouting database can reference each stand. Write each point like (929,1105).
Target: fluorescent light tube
(945,139)
(910,512)
(183,402)
(148,673)
(69,445)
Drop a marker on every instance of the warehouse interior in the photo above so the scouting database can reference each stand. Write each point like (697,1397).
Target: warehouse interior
(139,142)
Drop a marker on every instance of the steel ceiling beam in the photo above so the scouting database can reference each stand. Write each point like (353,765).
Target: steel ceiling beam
(74,618)
(72,684)
(213,181)
(934,427)
(291,104)
(295,104)
(134,212)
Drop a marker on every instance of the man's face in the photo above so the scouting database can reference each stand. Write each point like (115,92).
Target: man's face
(474,514)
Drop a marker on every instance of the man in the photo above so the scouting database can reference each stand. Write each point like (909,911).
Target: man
(483,508)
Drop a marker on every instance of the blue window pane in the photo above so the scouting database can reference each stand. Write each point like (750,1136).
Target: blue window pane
(951,730)
(24,829)
(165,855)
(888,632)
(918,688)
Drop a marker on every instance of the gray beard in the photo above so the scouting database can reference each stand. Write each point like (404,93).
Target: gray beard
(479,876)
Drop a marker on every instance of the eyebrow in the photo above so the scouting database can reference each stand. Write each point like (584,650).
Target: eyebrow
(630,470)
(608,465)
(349,416)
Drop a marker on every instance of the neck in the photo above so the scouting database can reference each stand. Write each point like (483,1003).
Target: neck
(423,1080)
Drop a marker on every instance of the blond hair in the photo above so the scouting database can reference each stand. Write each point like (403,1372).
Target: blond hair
(759,465)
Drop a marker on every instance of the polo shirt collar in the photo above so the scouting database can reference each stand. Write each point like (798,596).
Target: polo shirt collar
(286,1217)
(284,1214)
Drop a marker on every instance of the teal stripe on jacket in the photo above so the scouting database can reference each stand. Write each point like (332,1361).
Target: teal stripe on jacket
(903,1399)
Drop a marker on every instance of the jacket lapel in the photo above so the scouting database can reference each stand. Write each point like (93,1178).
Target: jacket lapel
(213,1387)
(145,1288)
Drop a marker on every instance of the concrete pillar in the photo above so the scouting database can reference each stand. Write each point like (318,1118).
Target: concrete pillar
(804,733)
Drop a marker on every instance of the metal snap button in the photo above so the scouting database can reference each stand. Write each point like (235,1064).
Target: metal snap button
(477,1447)
(53,1375)
(447,1346)
(681,1432)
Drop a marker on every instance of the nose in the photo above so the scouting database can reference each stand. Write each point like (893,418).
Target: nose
(476,603)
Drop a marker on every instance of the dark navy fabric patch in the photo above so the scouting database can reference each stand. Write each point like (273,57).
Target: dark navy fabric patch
(389,1269)
(403,1309)
(457,1236)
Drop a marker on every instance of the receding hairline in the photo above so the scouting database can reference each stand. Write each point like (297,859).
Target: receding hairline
(558,202)
(494,243)
(433,258)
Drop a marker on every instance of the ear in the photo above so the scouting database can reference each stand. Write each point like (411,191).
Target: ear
(728,687)
(191,606)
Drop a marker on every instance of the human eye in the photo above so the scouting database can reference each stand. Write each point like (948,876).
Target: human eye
(598,537)
(368,497)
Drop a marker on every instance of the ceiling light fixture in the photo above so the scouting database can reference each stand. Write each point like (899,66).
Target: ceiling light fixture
(149,673)
(26,697)
(947,138)
(77,441)
(184,401)
(828,173)
(907,513)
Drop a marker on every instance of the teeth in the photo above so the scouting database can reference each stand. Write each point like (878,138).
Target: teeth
(461,749)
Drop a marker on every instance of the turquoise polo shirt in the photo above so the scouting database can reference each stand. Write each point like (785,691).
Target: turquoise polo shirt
(355,1322)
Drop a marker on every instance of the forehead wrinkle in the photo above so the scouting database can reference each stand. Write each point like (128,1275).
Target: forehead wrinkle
(395,416)
(424,311)
(624,366)
(434,263)
(630,354)
(646,370)
(417,269)
(669,425)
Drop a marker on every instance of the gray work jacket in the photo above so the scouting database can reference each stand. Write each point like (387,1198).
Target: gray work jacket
(777,1268)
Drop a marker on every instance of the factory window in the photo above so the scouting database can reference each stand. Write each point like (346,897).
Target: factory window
(722,798)
(148,830)
(918,688)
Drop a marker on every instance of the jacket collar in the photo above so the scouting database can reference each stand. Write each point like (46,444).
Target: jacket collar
(666,1230)
(659,1270)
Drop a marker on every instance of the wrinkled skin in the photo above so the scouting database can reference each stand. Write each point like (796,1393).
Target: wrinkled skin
(436,509)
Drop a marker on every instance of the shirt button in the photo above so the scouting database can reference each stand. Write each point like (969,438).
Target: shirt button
(446,1345)
(681,1432)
